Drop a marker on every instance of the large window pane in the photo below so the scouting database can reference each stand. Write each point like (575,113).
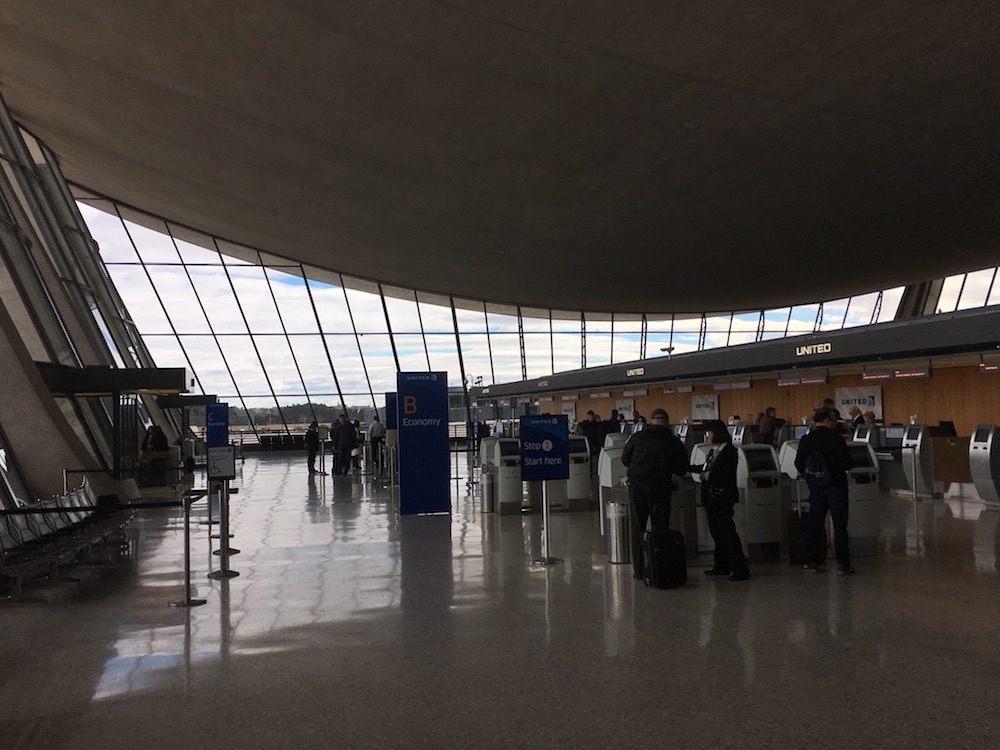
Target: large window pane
(209,366)
(255,299)
(140,299)
(538,353)
(566,349)
(411,351)
(153,247)
(378,360)
(347,362)
(247,371)
(179,298)
(444,356)
(367,311)
(977,285)
(313,363)
(217,298)
(289,289)
(279,365)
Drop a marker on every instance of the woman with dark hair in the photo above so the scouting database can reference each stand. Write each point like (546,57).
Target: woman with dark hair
(719,494)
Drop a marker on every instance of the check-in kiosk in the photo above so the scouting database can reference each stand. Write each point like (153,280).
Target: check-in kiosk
(510,491)
(792,432)
(578,484)
(984,462)
(759,480)
(864,523)
(918,461)
(489,471)
(615,440)
(868,434)
(745,433)
(611,474)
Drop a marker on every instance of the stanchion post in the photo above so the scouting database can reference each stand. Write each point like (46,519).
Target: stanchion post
(187,601)
(546,559)
(224,571)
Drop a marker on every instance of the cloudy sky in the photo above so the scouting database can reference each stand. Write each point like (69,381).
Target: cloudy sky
(257,330)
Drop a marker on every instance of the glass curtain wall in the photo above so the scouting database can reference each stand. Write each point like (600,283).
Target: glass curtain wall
(289,342)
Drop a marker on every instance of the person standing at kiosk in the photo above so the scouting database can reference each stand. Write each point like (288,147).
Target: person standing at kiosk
(823,459)
(719,494)
(653,456)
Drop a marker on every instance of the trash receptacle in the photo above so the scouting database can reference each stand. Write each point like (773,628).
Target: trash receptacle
(617,532)
(487,484)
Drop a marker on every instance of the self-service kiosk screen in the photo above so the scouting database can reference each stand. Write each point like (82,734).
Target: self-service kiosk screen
(577,445)
(893,433)
(862,433)
(912,433)
(759,459)
(860,456)
(800,431)
(510,448)
(982,435)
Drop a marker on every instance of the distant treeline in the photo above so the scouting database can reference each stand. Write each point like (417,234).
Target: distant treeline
(292,414)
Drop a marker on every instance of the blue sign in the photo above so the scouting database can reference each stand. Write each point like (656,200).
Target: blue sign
(422,421)
(545,447)
(390,412)
(216,424)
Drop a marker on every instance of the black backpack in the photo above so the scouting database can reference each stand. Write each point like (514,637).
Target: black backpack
(817,472)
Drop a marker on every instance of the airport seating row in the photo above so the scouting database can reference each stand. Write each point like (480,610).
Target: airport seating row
(36,539)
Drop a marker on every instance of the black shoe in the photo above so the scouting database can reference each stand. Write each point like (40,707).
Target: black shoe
(811,568)
(716,572)
(740,576)
(845,570)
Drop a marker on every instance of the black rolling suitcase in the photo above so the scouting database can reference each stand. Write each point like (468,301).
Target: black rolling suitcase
(798,534)
(666,560)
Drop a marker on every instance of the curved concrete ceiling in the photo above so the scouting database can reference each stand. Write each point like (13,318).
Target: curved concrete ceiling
(657,157)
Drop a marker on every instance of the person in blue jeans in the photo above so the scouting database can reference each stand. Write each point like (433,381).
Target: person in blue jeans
(828,495)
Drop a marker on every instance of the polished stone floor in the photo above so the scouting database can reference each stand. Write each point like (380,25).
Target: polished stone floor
(352,627)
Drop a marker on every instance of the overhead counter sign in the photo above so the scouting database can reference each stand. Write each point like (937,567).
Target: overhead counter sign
(544,447)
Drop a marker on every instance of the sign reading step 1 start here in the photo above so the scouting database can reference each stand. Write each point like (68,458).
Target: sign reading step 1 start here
(544,447)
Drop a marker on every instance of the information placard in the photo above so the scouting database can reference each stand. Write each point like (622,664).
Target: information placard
(544,447)
(422,419)
(217,424)
(221,462)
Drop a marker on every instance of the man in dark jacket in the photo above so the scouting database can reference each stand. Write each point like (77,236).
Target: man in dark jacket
(344,440)
(653,456)
(827,481)
(312,444)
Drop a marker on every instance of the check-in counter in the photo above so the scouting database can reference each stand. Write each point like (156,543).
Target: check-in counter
(510,489)
(864,525)
(578,487)
(759,480)
(489,473)
(611,475)
(984,462)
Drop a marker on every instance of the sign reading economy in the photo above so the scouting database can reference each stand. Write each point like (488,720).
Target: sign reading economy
(217,424)
(544,447)
(422,420)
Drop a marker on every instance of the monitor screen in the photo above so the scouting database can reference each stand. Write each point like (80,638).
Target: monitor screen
(759,459)
(800,431)
(510,448)
(578,445)
(894,432)
(860,456)
(862,432)
(982,435)
(913,433)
